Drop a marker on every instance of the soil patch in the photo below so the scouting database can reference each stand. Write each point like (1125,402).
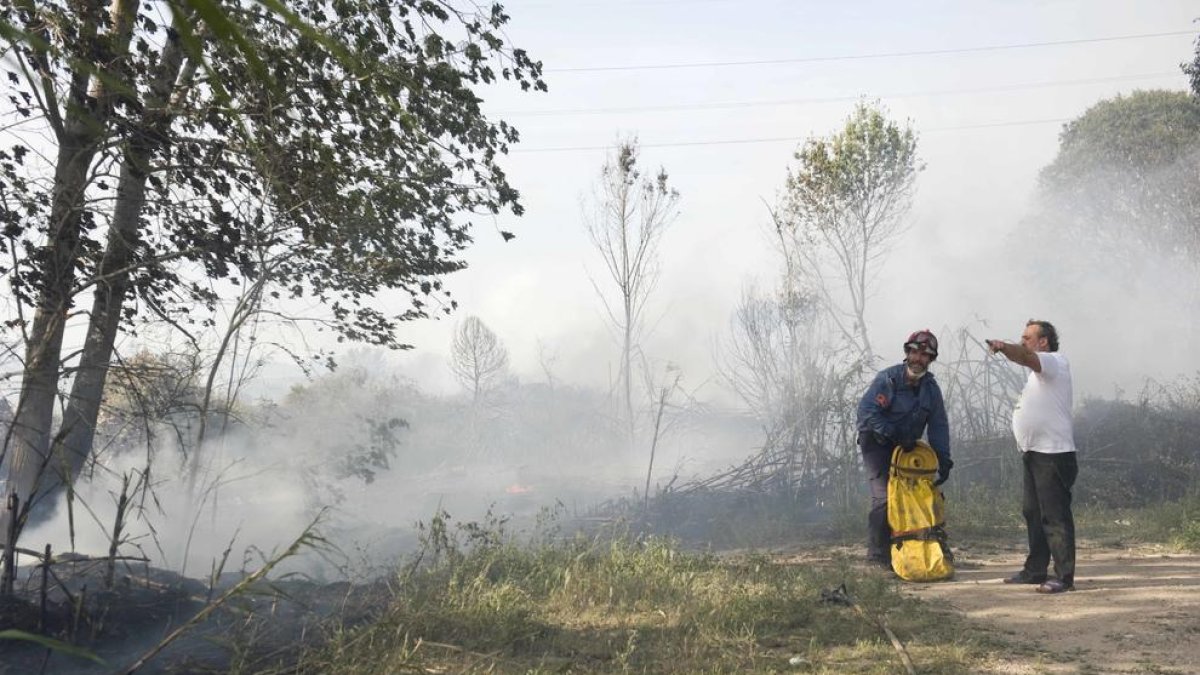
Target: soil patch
(1134,611)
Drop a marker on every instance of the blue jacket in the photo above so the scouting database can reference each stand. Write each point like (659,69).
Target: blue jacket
(898,412)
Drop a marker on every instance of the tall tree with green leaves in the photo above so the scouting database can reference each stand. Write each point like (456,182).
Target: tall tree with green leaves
(1128,170)
(844,204)
(344,163)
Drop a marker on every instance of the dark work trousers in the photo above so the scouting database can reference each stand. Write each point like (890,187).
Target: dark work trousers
(1047,509)
(877,460)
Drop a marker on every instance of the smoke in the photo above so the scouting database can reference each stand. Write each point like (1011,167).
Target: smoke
(252,505)
(1114,256)
(372,454)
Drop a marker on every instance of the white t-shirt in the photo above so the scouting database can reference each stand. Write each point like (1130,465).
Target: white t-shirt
(1041,422)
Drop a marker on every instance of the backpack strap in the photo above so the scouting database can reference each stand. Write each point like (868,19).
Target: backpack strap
(935,533)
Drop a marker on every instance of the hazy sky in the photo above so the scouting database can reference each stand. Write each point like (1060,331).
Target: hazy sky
(720,93)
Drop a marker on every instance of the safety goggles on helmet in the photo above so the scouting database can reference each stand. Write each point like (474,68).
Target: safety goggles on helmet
(924,341)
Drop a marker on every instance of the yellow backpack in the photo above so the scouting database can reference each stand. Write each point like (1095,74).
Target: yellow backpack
(917,517)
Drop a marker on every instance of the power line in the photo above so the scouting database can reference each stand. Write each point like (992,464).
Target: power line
(785,139)
(831,99)
(516,7)
(877,55)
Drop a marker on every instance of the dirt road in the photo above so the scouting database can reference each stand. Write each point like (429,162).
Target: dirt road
(1134,611)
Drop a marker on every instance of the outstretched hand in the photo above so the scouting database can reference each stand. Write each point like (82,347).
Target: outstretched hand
(995,345)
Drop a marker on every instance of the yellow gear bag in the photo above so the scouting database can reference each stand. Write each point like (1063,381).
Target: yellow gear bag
(917,516)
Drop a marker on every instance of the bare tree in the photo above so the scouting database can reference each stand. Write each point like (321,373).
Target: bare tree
(661,393)
(843,206)
(632,211)
(785,371)
(477,357)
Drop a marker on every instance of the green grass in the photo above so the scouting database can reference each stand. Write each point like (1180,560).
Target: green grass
(1175,525)
(476,602)
(991,517)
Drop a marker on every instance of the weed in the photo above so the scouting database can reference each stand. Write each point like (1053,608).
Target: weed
(475,599)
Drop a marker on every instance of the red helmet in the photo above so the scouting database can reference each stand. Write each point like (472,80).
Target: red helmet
(923,340)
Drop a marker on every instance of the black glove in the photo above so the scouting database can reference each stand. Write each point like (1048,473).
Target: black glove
(944,467)
(907,444)
(881,439)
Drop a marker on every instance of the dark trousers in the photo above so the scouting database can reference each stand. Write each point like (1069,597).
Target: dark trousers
(1047,508)
(877,460)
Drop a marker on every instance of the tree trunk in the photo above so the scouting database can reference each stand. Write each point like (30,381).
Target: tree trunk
(74,441)
(84,128)
(113,280)
(29,460)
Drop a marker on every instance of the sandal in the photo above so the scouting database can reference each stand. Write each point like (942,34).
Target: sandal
(1024,577)
(1055,586)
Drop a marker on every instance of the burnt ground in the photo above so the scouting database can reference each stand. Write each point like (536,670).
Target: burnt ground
(261,625)
(1136,610)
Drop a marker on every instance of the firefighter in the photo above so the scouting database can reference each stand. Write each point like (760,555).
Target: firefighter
(902,402)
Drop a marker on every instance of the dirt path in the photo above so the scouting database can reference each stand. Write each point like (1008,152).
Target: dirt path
(1134,611)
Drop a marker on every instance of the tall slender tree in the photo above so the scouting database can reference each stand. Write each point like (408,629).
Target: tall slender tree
(631,212)
(843,206)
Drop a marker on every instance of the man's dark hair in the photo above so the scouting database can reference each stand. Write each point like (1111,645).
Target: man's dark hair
(1047,330)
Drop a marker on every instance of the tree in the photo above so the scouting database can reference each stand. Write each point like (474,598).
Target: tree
(632,211)
(1128,170)
(477,357)
(780,367)
(345,425)
(842,207)
(1192,70)
(345,162)
(144,391)
(781,364)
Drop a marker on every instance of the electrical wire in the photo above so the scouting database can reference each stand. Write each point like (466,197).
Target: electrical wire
(876,55)
(832,99)
(784,139)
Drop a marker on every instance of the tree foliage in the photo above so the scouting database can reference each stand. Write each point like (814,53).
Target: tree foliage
(843,206)
(1192,70)
(344,163)
(1128,169)
(344,425)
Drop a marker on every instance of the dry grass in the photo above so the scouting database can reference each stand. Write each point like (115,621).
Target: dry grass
(474,601)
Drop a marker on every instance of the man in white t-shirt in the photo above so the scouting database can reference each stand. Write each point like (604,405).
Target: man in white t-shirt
(1041,423)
